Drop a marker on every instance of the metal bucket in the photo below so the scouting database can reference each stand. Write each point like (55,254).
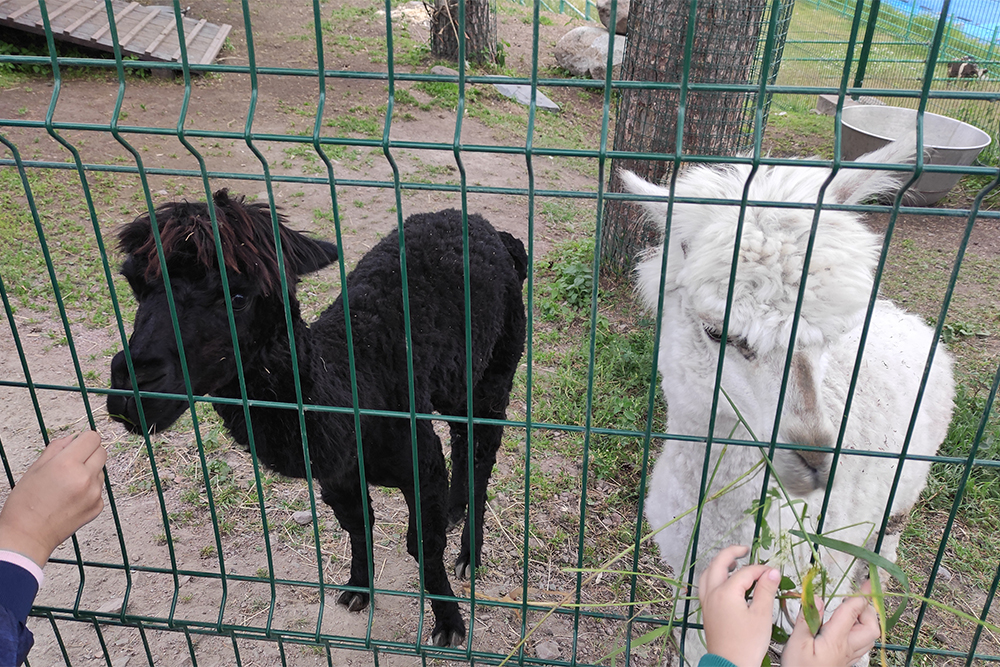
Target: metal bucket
(946,140)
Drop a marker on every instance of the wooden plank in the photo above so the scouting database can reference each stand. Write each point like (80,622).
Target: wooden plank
(159,38)
(23,10)
(107,26)
(187,38)
(64,8)
(153,13)
(83,19)
(216,45)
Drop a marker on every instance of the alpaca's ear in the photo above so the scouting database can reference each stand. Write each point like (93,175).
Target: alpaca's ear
(656,210)
(304,254)
(853,186)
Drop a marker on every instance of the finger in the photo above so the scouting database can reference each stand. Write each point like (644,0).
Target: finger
(766,589)
(84,446)
(746,576)
(718,570)
(53,448)
(845,616)
(97,459)
(800,629)
(865,632)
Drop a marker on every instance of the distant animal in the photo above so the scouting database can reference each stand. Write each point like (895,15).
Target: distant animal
(770,256)
(966,68)
(375,293)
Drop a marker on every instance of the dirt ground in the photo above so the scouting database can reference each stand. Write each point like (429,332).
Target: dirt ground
(197,597)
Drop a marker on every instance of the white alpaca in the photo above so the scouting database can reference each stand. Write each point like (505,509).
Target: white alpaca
(838,289)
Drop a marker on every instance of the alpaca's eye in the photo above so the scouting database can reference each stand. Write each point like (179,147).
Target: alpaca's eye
(740,344)
(240,302)
(713,333)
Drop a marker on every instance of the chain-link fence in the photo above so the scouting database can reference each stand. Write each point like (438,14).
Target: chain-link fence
(327,113)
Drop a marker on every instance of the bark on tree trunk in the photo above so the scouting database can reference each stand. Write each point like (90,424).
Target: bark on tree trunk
(480,31)
(725,43)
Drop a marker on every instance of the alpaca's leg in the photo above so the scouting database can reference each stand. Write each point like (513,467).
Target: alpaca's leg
(458,497)
(344,498)
(449,629)
(487,439)
(490,398)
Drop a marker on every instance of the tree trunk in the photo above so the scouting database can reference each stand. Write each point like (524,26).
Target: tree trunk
(480,31)
(725,50)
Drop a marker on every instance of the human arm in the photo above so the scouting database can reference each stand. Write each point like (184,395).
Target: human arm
(735,629)
(59,493)
(842,641)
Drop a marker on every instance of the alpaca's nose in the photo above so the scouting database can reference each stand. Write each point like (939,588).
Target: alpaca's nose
(149,371)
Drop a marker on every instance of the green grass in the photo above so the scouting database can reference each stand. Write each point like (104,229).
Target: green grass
(72,246)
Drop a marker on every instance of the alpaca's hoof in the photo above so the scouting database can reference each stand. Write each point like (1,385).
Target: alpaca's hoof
(444,636)
(353,600)
(455,517)
(462,567)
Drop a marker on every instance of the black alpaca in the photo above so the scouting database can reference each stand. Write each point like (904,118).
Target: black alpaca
(434,263)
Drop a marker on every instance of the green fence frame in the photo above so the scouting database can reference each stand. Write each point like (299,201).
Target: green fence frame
(12,158)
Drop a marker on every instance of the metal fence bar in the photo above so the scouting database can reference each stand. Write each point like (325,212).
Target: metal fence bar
(269,631)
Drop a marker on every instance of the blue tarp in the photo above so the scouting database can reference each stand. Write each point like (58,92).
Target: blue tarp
(975,18)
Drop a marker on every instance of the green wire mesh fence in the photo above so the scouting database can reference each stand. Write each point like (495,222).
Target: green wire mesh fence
(896,53)
(204,557)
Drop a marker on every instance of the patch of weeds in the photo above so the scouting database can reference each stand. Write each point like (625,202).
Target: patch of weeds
(69,237)
(304,155)
(570,279)
(406,98)
(982,488)
(445,94)
(351,123)
(794,129)
(568,214)
(618,376)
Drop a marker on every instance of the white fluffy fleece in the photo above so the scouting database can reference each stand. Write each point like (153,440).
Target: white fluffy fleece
(771,254)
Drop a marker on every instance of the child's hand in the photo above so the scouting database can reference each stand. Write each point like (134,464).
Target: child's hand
(737,630)
(58,494)
(843,640)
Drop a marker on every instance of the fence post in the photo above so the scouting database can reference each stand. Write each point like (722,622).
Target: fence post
(909,22)
(993,43)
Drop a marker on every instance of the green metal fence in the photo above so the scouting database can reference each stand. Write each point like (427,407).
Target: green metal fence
(898,41)
(198,559)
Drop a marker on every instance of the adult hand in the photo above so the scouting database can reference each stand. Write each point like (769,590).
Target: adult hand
(842,641)
(59,493)
(737,630)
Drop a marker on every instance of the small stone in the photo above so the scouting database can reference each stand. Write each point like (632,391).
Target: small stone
(441,70)
(944,573)
(302,518)
(941,637)
(522,94)
(121,661)
(547,650)
(110,607)
(162,193)
(183,580)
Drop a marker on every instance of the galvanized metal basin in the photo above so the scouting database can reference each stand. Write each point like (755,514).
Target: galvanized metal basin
(947,141)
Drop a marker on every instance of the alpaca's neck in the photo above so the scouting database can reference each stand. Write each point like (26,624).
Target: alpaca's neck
(269,376)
